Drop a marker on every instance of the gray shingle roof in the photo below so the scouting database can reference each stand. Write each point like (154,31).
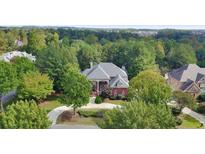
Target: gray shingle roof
(111,70)
(118,82)
(108,71)
(98,74)
(184,73)
(185,85)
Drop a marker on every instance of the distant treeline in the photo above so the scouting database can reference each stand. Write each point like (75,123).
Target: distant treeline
(168,49)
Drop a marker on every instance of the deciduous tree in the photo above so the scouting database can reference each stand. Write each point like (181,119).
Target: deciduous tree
(24,115)
(34,85)
(8,79)
(23,65)
(149,86)
(140,115)
(76,88)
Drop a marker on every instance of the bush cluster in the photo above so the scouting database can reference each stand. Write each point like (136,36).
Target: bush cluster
(98,100)
(92,113)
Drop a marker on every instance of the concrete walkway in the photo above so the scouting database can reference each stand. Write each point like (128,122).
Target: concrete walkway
(197,116)
(53,115)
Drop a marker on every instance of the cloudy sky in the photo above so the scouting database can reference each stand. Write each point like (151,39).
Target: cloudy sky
(104,13)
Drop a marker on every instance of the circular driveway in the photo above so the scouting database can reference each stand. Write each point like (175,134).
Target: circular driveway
(53,115)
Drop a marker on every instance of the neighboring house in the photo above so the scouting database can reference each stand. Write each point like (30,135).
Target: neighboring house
(106,76)
(10,55)
(189,79)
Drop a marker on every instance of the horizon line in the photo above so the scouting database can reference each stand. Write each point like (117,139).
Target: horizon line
(153,27)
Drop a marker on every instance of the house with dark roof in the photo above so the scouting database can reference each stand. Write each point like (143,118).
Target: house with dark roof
(189,79)
(106,76)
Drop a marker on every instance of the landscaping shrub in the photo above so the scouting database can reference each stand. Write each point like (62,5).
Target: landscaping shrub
(98,100)
(201,98)
(92,113)
(178,121)
(118,97)
(105,94)
(201,109)
(176,110)
(87,113)
(112,97)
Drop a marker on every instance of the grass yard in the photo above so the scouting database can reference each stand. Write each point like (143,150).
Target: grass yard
(189,123)
(51,103)
(116,102)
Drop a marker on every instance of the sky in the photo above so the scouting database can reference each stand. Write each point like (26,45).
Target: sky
(149,14)
(185,27)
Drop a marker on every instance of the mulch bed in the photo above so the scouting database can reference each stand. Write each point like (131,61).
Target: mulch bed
(68,116)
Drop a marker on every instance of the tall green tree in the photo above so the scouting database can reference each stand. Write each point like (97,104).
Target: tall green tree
(91,39)
(185,100)
(53,61)
(34,85)
(76,88)
(136,56)
(149,86)
(36,41)
(3,43)
(200,54)
(139,115)
(180,55)
(24,115)
(53,39)
(8,79)
(86,53)
(23,65)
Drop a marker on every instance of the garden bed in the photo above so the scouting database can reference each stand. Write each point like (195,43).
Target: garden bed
(67,118)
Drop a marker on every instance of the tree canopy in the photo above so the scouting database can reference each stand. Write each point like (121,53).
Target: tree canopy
(180,55)
(53,61)
(76,88)
(86,53)
(23,65)
(36,41)
(138,114)
(34,85)
(8,77)
(149,86)
(24,115)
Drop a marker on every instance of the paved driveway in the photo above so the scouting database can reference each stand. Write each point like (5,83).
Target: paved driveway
(53,115)
(197,116)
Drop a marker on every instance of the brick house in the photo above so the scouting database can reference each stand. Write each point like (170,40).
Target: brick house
(108,76)
(189,79)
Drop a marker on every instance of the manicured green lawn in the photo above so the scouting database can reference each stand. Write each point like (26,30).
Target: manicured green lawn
(189,122)
(51,103)
(116,102)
